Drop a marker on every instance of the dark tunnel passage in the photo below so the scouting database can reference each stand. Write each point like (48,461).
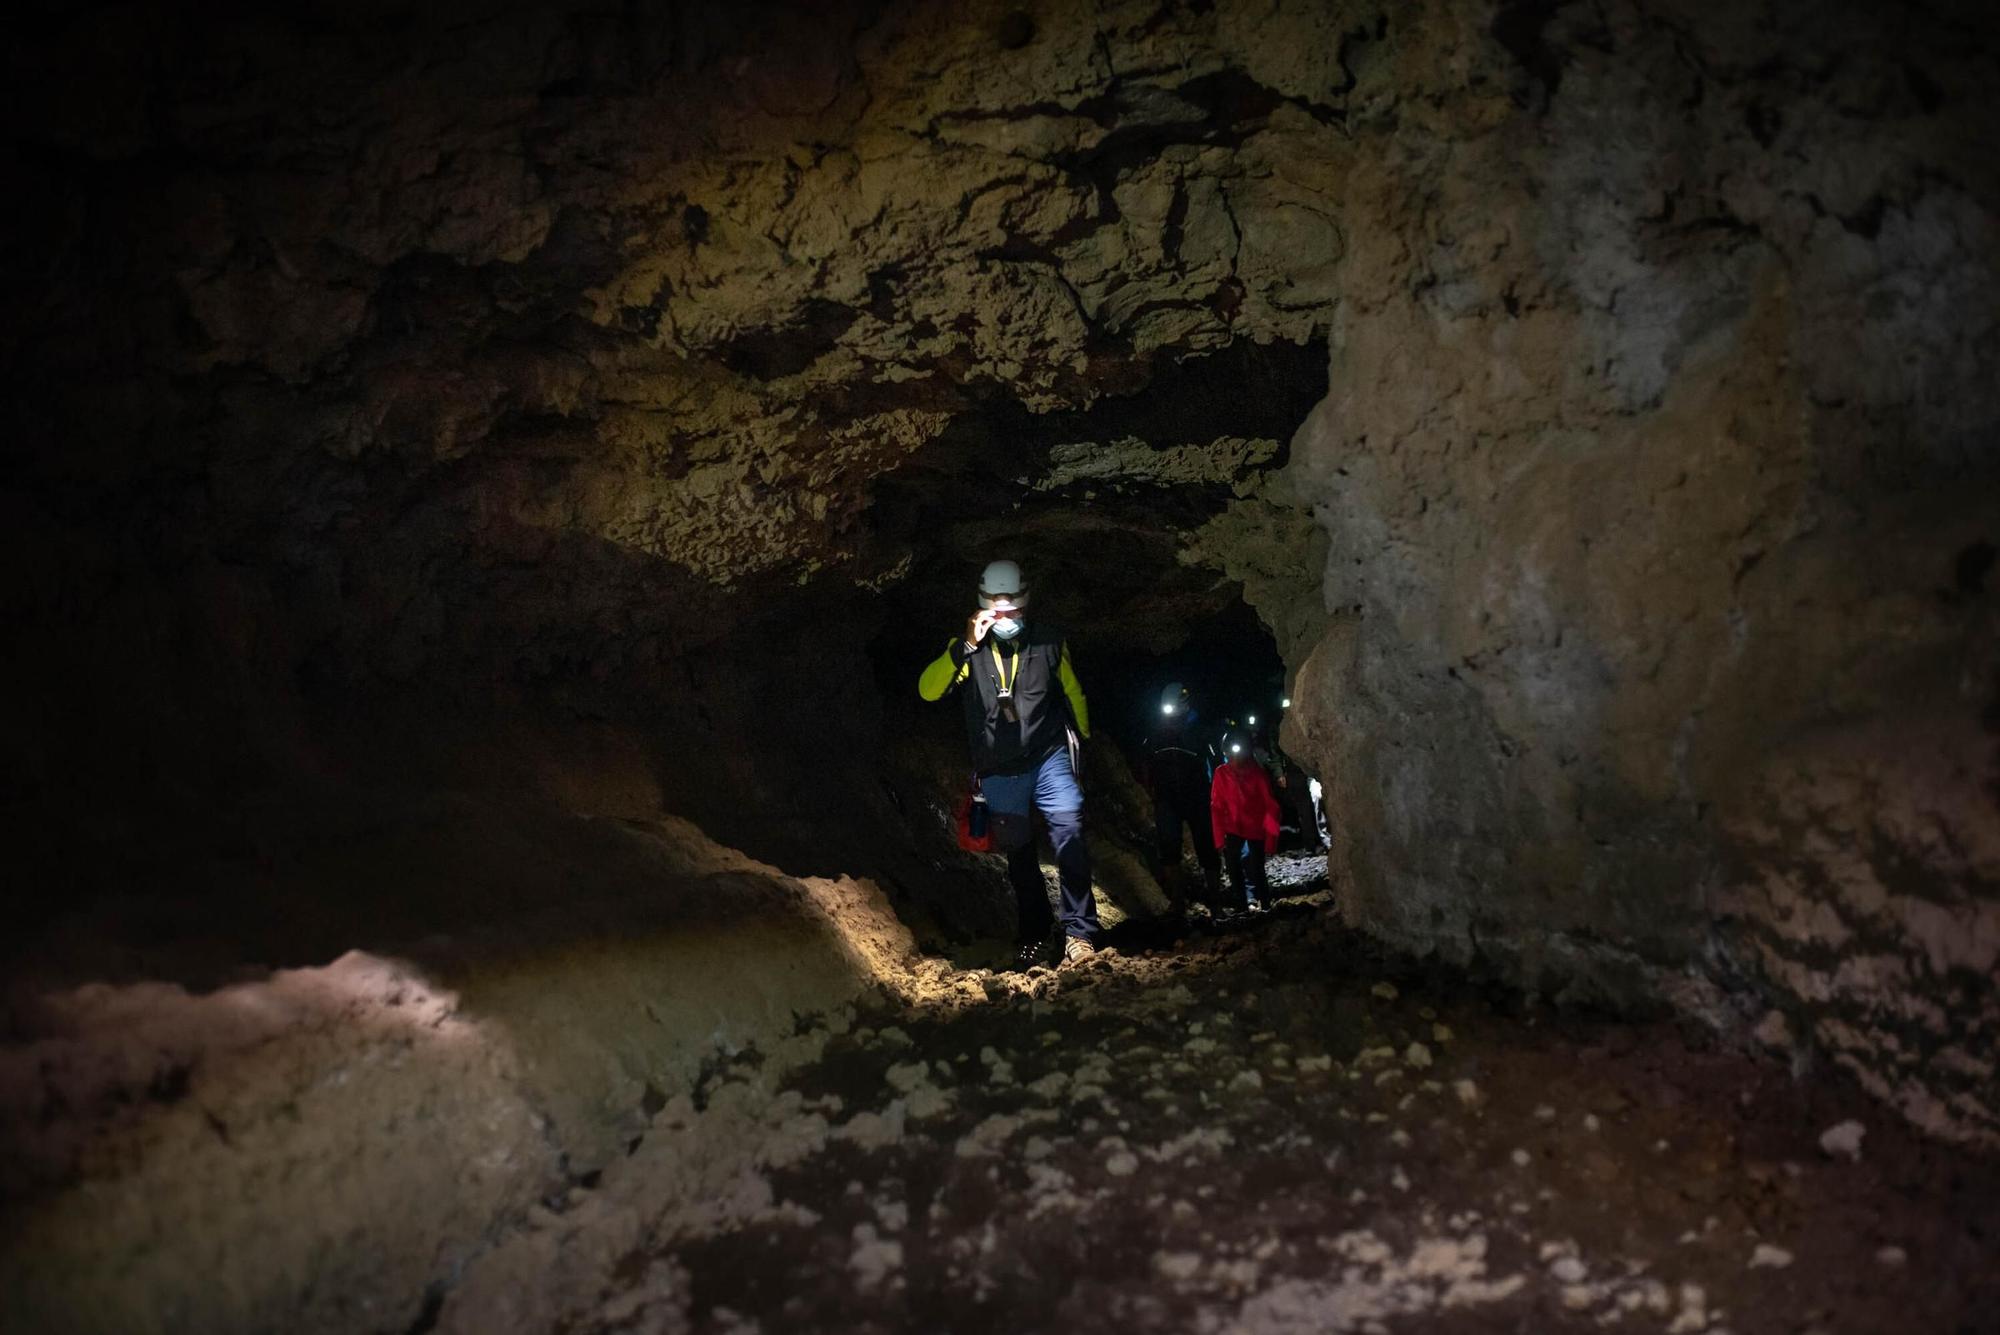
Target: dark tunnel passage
(485,482)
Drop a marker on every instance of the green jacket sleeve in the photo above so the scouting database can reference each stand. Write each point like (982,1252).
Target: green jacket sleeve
(945,672)
(1079,708)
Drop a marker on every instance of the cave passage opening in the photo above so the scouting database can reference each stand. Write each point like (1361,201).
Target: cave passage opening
(1103,508)
(1219,649)
(1099,506)
(1228,663)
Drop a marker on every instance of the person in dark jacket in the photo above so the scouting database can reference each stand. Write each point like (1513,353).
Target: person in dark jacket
(1244,813)
(1024,716)
(1177,775)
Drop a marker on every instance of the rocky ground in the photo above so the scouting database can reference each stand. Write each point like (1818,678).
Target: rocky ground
(1187,1136)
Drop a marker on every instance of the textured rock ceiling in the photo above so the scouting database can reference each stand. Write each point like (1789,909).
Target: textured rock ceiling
(698,313)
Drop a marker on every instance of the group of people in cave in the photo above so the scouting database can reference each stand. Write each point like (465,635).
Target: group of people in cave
(1025,719)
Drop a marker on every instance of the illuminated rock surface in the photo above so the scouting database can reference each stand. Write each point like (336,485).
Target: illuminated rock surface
(482,480)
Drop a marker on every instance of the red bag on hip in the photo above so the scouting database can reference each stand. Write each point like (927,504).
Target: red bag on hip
(974,823)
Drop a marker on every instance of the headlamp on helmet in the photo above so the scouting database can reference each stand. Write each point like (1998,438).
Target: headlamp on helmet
(1003,593)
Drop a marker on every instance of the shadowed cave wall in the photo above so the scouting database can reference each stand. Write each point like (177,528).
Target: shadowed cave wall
(438,421)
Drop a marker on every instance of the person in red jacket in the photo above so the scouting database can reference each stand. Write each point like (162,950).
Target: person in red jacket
(1244,812)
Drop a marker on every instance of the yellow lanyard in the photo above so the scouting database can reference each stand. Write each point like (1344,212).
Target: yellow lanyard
(1006,682)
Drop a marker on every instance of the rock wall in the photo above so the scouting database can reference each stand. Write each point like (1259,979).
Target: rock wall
(1658,479)
(500,361)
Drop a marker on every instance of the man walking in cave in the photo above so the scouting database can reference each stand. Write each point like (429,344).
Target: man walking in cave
(1178,765)
(1024,716)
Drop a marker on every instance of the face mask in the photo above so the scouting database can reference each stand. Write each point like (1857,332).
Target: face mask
(1007,627)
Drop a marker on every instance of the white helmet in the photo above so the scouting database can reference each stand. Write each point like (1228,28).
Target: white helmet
(1002,582)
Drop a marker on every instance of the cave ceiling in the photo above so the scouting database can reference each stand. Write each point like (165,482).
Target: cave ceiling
(689,288)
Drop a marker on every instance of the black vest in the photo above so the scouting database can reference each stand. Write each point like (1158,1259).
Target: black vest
(1177,767)
(1032,664)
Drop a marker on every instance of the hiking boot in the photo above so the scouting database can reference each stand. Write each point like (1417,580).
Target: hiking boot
(1076,950)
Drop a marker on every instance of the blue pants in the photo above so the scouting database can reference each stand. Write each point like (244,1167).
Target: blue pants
(1011,800)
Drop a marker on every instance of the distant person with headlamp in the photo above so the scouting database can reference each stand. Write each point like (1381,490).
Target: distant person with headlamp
(1177,772)
(1024,717)
(1244,813)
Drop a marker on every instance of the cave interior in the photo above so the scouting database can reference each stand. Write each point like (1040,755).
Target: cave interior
(484,479)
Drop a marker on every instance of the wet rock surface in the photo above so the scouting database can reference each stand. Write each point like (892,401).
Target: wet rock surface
(1199,1139)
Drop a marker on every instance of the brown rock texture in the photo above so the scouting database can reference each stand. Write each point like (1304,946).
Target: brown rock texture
(1652,454)
(317,1149)
(1868,860)
(419,406)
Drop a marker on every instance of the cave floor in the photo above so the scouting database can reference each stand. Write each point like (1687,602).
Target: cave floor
(1194,1138)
